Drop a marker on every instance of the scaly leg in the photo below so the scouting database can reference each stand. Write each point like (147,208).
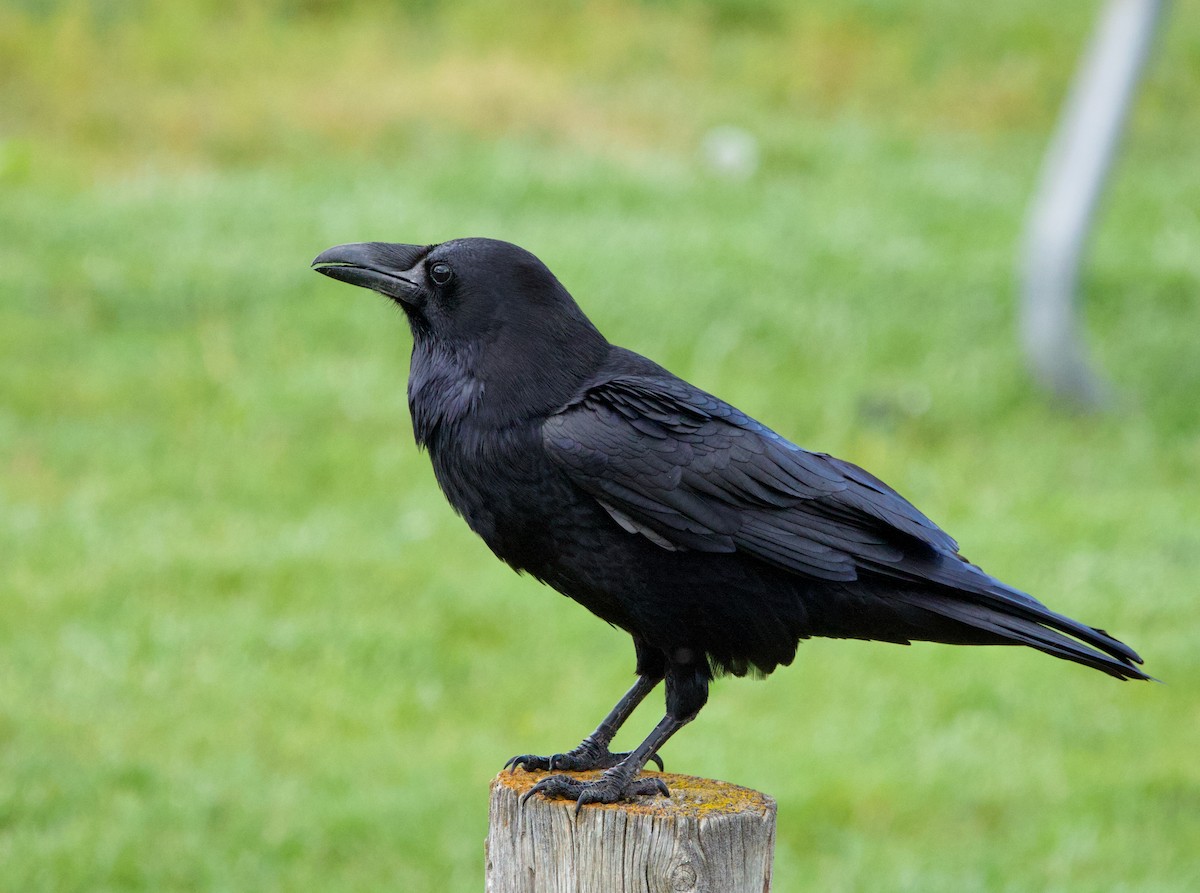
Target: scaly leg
(687,692)
(593,752)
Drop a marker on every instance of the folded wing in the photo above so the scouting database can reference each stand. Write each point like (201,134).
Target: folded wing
(688,471)
(691,472)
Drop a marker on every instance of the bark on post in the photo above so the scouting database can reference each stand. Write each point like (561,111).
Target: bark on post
(709,837)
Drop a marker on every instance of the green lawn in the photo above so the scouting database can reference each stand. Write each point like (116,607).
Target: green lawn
(245,645)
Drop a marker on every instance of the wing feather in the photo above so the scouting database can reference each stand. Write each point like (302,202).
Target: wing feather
(687,471)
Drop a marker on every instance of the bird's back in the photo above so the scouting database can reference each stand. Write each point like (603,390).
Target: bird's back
(660,573)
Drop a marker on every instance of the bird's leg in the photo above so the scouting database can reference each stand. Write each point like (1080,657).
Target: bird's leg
(618,782)
(593,752)
(687,692)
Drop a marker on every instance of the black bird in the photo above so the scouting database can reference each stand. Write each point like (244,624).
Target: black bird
(714,542)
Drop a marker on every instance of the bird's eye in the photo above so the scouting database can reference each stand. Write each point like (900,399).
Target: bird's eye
(440,273)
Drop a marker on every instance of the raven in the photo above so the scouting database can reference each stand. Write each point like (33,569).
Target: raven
(714,542)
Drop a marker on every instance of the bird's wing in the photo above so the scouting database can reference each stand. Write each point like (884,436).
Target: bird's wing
(688,471)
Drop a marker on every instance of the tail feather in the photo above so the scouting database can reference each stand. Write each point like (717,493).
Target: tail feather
(950,586)
(1020,623)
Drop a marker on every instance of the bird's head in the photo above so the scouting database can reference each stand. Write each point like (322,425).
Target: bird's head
(493,305)
(462,289)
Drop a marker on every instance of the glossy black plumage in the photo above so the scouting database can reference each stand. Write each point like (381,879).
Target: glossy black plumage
(716,543)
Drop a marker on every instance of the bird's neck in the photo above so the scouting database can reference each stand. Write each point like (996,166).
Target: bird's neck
(497,384)
(442,390)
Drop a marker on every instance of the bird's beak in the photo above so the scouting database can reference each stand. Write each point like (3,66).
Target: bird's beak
(394,271)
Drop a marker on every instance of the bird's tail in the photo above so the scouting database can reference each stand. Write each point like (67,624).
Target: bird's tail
(1017,618)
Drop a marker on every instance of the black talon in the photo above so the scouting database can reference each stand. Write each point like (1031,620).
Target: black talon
(586,757)
(611,787)
(556,787)
(526,761)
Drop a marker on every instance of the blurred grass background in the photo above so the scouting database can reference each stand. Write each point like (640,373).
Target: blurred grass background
(245,644)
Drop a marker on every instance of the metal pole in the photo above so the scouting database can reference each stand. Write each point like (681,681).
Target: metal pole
(1073,175)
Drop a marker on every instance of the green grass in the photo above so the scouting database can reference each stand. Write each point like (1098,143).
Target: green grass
(245,644)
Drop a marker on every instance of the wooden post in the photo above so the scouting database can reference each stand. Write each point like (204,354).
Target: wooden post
(709,837)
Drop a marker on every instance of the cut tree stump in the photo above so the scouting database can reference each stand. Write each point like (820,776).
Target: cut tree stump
(708,837)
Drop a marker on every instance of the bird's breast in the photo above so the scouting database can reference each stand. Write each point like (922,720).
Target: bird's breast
(507,491)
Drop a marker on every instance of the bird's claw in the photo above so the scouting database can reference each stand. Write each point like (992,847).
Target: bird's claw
(522,761)
(611,787)
(584,758)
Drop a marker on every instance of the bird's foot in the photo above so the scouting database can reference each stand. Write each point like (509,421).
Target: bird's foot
(588,755)
(614,785)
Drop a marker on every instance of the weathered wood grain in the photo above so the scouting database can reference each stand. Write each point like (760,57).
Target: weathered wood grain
(709,837)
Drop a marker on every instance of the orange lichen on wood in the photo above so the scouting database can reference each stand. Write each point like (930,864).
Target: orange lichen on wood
(691,797)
